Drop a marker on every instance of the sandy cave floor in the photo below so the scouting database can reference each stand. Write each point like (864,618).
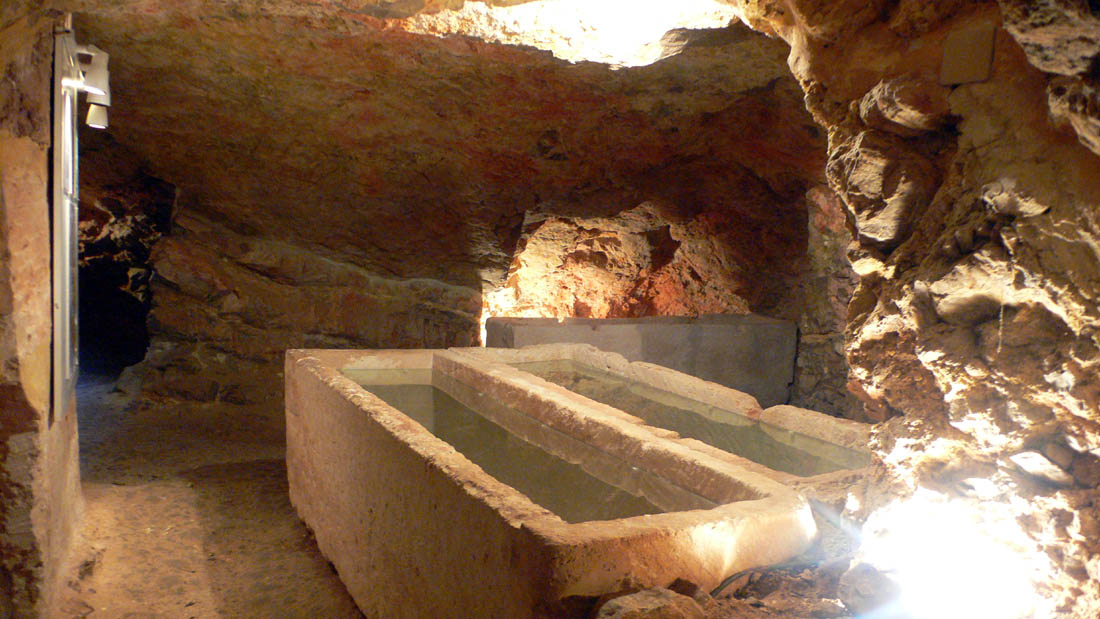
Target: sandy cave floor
(187,515)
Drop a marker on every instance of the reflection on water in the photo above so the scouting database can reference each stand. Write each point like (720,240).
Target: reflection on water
(774,447)
(556,484)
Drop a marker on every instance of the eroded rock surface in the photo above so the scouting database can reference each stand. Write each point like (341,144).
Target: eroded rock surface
(338,139)
(226,306)
(639,263)
(975,319)
(1058,36)
(653,603)
(1076,102)
(1063,37)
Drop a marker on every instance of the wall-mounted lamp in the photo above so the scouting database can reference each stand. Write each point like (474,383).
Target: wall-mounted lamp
(96,82)
(97,116)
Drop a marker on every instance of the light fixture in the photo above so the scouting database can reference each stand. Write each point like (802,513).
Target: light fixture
(101,98)
(96,83)
(96,76)
(79,85)
(97,116)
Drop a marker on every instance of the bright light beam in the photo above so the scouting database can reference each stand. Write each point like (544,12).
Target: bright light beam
(952,559)
(621,33)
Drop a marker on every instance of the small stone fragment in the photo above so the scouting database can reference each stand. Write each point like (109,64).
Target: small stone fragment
(692,590)
(884,183)
(791,604)
(1076,102)
(1086,470)
(1059,454)
(655,603)
(904,107)
(1089,523)
(1006,198)
(863,588)
(1036,464)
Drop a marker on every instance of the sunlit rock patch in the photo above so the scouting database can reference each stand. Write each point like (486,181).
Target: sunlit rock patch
(576,30)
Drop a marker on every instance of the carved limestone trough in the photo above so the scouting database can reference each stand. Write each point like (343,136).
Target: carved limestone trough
(461,481)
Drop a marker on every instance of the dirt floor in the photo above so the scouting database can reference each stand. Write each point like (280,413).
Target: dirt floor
(187,515)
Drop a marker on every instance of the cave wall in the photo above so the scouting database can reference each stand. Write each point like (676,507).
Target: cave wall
(227,305)
(645,261)
(378,197)
(654,260)
(39,493)
(973,203)
(817,299)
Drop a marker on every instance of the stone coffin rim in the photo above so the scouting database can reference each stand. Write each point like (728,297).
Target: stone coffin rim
(846,433)
(764,530)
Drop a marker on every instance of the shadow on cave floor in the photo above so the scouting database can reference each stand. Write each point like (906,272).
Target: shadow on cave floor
(187,515)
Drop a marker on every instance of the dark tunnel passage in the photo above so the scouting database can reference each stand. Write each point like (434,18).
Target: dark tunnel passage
(123,212)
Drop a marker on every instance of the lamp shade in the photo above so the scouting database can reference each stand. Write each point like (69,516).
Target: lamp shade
(103,99)
(97,116)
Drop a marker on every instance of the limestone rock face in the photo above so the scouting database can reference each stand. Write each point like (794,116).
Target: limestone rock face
(1059,36)
(1076,102)
(344,182)
(973,329)
(226,307)
(884,183)
(416,156)
(651,604)
(639,263)
(904,107)
(1063,37)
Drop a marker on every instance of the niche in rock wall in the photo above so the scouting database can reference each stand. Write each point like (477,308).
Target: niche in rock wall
(652,260)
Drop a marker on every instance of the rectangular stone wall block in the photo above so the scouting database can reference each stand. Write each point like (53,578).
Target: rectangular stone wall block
(749,353)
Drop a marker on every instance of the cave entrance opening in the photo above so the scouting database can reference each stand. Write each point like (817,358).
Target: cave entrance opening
(114,334)
(124,211)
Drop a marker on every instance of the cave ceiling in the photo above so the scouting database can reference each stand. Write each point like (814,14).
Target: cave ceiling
(331,126)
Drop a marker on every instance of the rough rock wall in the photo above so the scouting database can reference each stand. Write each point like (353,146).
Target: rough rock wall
(226,306)
(1062,37)
(646,261)
(416,156)
(39,495)
(817,299)
(974,324)
(655,261)
(723,233)
(409,158)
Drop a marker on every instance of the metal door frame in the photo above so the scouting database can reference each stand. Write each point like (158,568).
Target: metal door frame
(65,218)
